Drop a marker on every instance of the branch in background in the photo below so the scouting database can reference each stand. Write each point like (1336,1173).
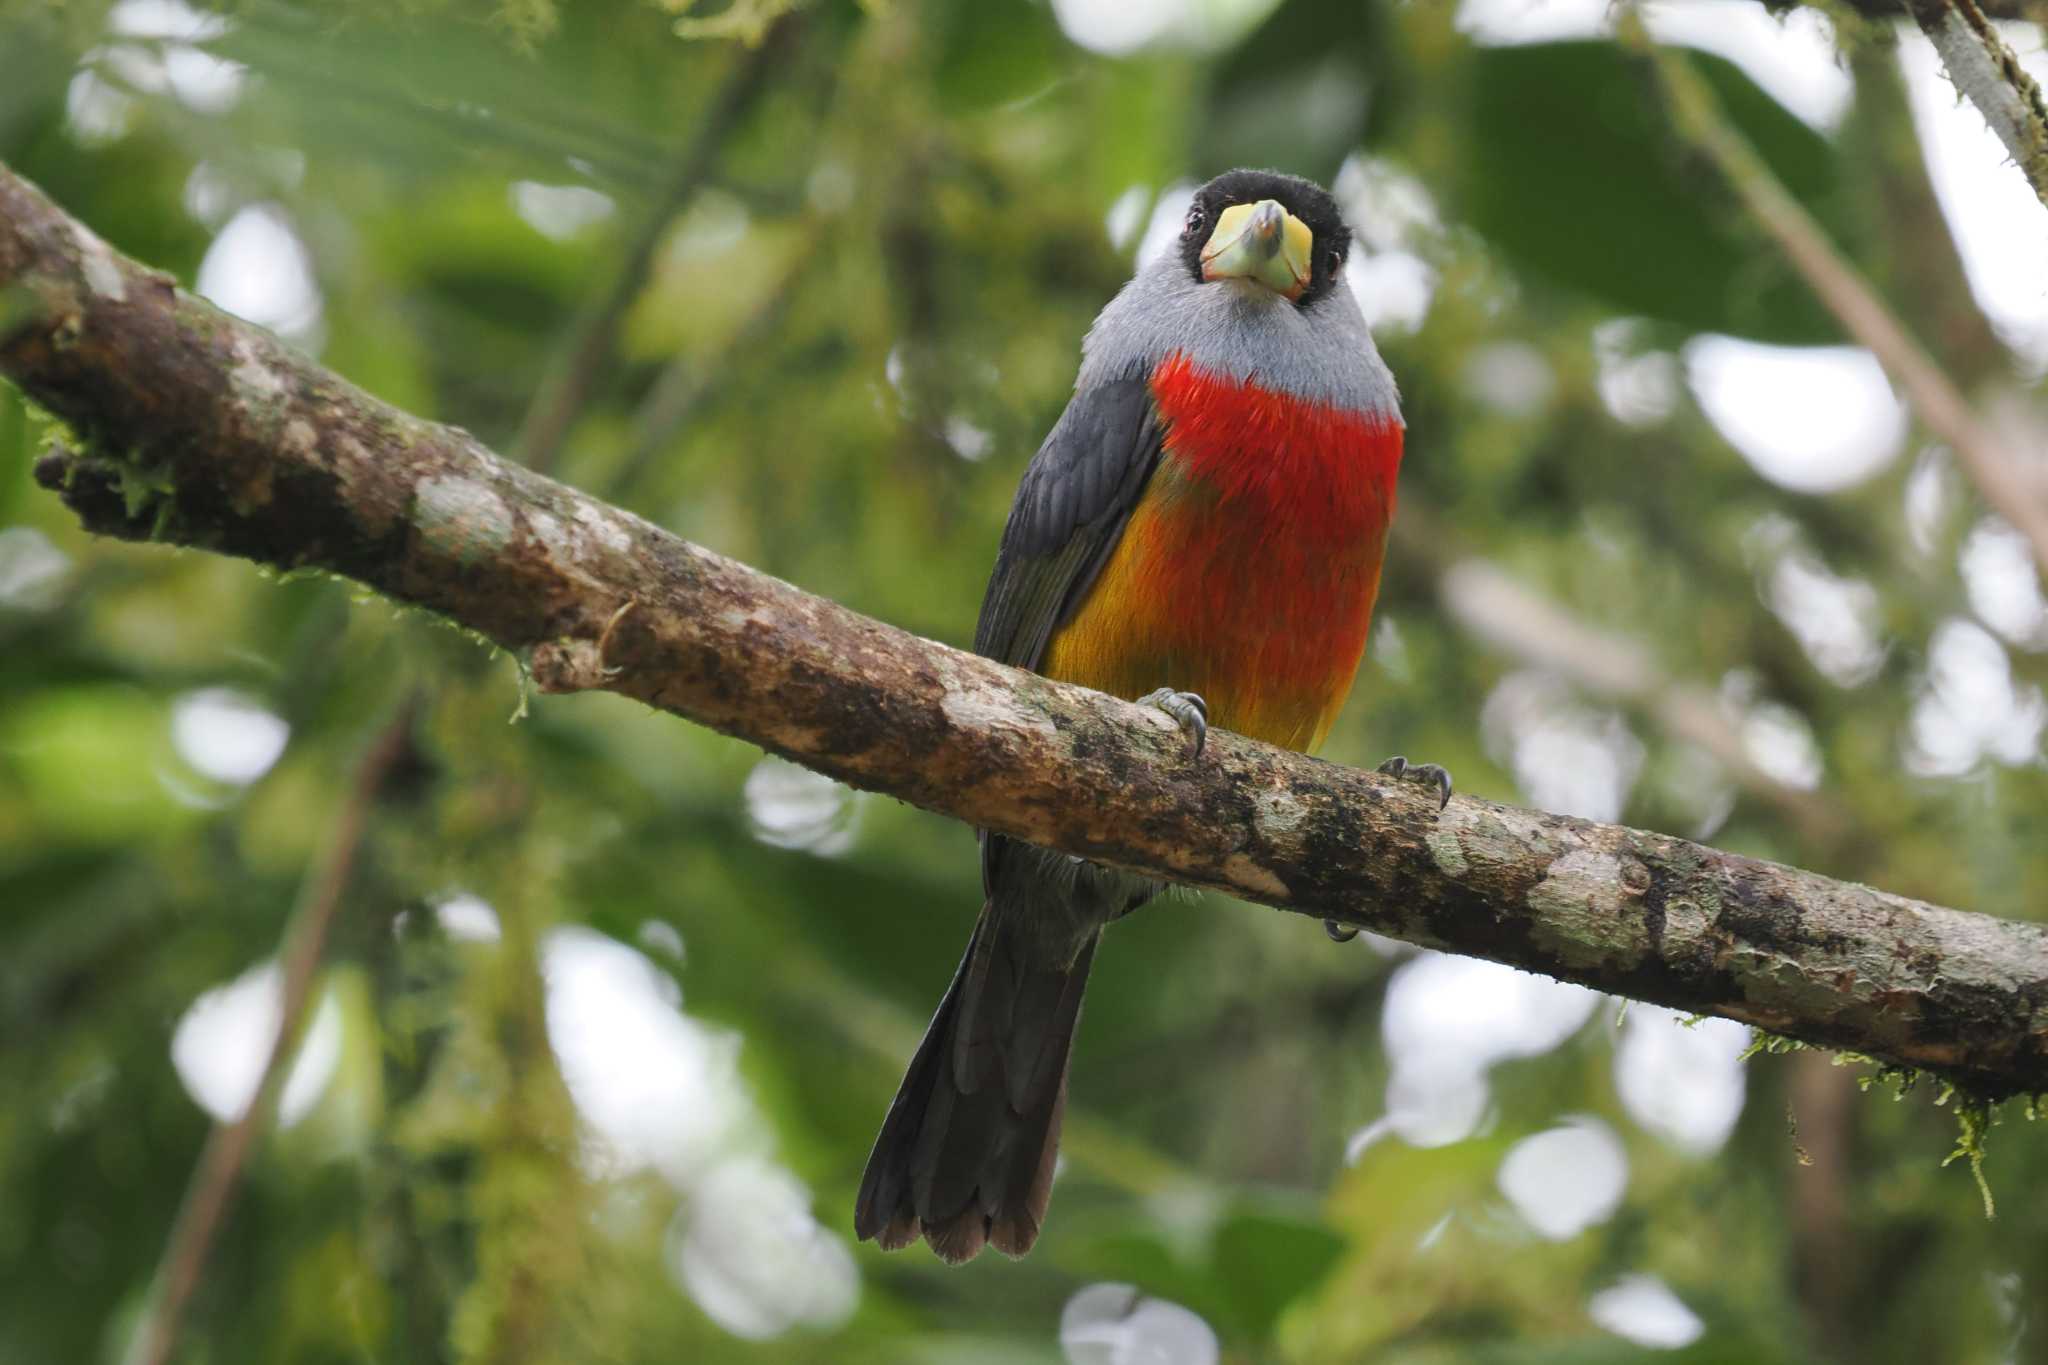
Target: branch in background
(1914,257)
(2013,488)
(199,430)
(594,337)
(226,1153)
(1829,1265)
(1502,614)
(686,380)
(1988,73)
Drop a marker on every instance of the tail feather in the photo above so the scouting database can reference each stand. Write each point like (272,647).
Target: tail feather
(966,1155)
(1017,1228)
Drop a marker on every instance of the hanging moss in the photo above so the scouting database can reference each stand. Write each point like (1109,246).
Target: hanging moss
(1975,1113)
(1974,1117)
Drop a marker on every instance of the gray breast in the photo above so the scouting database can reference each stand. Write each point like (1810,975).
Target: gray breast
(1324,353)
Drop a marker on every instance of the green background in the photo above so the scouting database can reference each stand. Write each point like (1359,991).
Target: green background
(871,310)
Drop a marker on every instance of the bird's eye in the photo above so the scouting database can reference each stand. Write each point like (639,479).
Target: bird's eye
(1336,263)
(1196,217)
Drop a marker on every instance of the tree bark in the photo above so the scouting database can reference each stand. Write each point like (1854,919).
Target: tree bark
(195,429)
(2019,10)
(1987,71)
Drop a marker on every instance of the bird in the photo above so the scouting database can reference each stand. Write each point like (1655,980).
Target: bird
(1201,531)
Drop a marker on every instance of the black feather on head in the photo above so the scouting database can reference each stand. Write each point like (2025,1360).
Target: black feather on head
(1305,199)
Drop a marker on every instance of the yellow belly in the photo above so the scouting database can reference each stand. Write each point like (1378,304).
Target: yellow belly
(1267,627)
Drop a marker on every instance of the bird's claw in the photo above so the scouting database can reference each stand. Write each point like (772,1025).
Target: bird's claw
(1189,712)
(1428,774)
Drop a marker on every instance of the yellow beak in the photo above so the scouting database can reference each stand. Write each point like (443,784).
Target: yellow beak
(1261,242)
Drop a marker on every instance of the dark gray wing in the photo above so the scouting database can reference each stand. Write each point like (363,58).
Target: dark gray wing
(1070,511)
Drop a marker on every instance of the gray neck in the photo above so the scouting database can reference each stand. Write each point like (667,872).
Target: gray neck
(1244,331)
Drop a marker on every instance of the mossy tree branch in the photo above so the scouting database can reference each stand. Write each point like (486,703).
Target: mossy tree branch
(2035,10)
(195,429)
(1988,73)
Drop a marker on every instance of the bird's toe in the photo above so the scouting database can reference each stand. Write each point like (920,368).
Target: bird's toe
(1427,774)
(1188,710)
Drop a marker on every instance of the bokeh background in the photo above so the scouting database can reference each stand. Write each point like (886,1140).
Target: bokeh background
(614,1005)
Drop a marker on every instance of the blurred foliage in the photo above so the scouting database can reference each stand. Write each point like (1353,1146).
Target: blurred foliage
(852,338)
(1549,191)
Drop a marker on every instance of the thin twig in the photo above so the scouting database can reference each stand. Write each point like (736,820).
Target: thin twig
(566,387)
(227,1149)
(2012,488)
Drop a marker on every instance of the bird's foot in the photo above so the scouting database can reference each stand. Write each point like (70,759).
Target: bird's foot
(1429,775)
(1189,712)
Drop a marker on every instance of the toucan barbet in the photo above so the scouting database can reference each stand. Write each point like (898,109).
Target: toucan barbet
(1202,530)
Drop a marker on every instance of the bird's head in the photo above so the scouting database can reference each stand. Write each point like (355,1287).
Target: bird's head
(1262,228)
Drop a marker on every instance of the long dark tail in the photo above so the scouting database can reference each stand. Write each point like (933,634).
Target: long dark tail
(965,1156)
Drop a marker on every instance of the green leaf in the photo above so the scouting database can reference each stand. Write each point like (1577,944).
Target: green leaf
(992,55)
(1259,1259)
(1303,91)
(88,759)
(1576,174)
(1265,1260)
